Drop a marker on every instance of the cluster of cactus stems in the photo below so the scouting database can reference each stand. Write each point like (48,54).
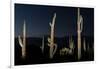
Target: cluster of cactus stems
(22,42)
(70,50)
(42,47)
(64,51)
(79,30)
(51,44)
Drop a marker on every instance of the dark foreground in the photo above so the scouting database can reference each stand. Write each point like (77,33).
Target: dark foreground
(34,54)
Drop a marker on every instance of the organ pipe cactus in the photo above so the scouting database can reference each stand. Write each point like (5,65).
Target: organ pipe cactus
(22,42)
(79,30)
(51,44)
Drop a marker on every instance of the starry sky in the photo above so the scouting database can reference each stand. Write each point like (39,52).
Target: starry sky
(38,17)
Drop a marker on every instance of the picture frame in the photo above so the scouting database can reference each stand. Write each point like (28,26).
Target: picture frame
(13,62)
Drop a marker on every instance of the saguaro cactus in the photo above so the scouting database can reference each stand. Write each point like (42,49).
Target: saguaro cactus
(22,41)
(51,44)
(42,47)
(79,30)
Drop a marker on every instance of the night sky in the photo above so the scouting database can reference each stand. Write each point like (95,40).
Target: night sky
(38,17)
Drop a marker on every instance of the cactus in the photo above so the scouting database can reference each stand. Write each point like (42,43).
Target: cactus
(51,44)
(71,46)
(84,46)
(70,50)
(64,51)
(42,47)
(22,42)
(79,30)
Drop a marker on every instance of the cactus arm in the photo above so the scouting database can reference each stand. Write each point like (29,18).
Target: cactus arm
(55,49)
(20,41)
(81,23)
(50,24)
(49,40)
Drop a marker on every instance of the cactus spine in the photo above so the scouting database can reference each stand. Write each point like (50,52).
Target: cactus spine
(79,30)
(51,44)
(22,42)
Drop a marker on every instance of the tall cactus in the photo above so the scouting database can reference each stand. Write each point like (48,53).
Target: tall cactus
(22,42)
(51,44)
(42,47)
(79,30)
